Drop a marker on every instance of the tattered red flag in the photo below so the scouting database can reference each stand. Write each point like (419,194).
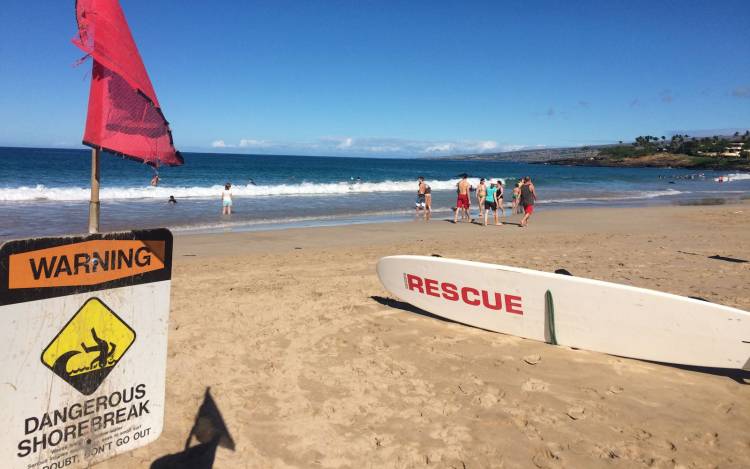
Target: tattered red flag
(124,116)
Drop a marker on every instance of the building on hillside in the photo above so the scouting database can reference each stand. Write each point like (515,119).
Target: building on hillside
(733,150)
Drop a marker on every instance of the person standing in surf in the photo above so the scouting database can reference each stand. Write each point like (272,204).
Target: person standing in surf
(481,197)
(421,203)
(427,202)
(463,204)
(528,198)
(226,199)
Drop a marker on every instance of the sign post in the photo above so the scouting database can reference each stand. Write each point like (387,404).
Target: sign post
(94,201)
(83,322)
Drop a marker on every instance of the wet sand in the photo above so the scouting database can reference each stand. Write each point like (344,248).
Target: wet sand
(313,365)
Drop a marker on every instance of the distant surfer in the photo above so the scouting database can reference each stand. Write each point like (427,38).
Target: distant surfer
(172,200)
(528,198)
(155,180)
(226,199)
(463,205)
(251,182)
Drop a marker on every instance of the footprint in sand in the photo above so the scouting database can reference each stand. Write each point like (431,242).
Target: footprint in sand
(532,359)
(576,413)
(535,385)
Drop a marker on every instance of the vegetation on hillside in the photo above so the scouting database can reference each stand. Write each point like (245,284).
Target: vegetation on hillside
(706,147)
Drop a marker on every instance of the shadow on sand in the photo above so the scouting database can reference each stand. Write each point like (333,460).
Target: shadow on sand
(740,376)
(404,306)
(210,431)
(476,222)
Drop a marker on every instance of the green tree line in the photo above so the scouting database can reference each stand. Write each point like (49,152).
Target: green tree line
(678,144)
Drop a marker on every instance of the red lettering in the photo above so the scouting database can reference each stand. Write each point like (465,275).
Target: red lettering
(465,296)
(430,287)
(450,291)
(513,304)
(498,301)
(414,283)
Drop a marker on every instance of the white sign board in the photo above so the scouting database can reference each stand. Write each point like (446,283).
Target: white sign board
(83,323)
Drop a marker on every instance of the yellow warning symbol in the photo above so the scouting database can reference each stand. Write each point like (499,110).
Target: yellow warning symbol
(84,352)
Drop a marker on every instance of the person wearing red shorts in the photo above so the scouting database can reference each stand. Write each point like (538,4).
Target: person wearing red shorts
(528,198)
(462,202)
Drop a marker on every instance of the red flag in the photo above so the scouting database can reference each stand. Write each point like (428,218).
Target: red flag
(124,115)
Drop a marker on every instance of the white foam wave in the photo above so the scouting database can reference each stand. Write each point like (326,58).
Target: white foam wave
(41,192)
(609,198)
(733,177)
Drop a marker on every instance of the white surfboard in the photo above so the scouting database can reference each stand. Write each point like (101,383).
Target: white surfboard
(587,314)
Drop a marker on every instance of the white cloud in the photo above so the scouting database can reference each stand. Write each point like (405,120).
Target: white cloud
(249,142)
(439,148)
(487,145)
(370,146)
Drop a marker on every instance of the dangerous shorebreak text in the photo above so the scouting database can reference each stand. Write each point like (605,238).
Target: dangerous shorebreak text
(72,422)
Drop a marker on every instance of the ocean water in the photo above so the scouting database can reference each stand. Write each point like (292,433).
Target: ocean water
(45,191)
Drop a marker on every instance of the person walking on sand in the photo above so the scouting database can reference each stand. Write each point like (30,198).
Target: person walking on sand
(500,198)
(481,196)
(421,199)
(528,198)
(226,199)
(490,203)
(463,204)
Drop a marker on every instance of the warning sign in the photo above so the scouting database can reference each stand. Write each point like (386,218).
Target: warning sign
(84,326)
(84,366)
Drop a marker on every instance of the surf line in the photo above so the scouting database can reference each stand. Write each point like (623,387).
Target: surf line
(471,296)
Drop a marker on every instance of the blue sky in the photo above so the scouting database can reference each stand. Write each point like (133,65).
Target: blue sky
(408,78)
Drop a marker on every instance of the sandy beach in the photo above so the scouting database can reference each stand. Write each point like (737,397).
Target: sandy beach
(313,365)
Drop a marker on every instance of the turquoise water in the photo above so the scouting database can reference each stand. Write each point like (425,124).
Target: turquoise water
(46,191)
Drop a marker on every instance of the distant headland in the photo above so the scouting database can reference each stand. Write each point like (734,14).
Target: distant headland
(719,152)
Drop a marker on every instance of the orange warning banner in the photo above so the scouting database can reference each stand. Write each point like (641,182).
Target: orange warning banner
(86,263)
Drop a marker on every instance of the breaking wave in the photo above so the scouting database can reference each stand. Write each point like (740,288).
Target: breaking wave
(41,192)
(614,197)
(734,177)
(73,194)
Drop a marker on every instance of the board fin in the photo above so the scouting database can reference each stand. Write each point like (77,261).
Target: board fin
(549,319)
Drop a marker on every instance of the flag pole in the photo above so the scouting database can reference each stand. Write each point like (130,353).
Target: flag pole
(94,202)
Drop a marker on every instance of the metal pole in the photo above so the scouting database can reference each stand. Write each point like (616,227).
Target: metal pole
(94,203)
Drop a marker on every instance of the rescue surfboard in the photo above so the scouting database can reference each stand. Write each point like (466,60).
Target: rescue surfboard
(578,312)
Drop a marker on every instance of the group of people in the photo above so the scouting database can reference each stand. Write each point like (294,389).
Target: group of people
(490,196)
